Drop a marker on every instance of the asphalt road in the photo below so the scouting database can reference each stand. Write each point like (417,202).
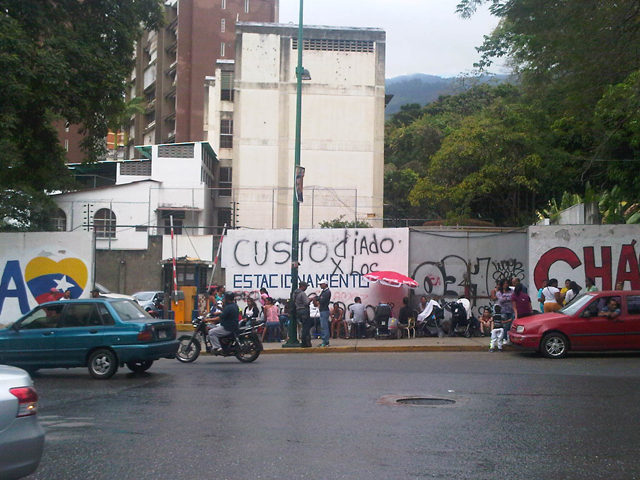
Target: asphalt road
(317,417)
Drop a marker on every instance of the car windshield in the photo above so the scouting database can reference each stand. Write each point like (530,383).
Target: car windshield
(129,311)
(576,305)
(144,296)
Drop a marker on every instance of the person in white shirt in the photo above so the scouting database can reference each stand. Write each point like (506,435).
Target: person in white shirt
(359,317)
(552,297)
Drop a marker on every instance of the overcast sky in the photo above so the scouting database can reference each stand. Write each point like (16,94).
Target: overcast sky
(423,36)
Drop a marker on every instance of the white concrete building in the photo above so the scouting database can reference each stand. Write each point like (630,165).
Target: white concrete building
(342,136)
(174,181)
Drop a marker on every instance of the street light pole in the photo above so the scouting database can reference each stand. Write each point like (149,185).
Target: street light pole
(292,340)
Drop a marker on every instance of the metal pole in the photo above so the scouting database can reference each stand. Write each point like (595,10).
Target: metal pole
(292,340)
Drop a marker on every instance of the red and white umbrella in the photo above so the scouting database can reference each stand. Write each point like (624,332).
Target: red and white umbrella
(391,279)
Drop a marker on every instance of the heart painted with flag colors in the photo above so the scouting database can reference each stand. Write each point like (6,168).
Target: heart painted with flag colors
(42,274)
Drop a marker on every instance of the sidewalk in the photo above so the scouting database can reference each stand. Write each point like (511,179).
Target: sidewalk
(420,344)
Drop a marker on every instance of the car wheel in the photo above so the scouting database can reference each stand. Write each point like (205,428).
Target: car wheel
(554,345)
(103,364)
(139,367)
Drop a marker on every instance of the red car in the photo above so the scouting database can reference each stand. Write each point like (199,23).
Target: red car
(592,321)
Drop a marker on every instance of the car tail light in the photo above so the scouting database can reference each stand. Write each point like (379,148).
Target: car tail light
(146,335)
(27,400)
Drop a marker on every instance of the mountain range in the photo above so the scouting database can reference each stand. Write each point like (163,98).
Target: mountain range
(423,89)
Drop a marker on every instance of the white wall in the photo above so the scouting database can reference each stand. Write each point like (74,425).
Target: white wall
(606,252)
(33,263)
(256,258)
(130,203)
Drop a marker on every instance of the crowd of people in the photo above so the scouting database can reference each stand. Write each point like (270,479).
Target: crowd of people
(318,317)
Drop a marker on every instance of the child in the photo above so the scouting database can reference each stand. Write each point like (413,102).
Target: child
(486,322)
(497,333)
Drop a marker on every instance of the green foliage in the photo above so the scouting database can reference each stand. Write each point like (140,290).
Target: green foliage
(340,223)
(22,211)
(504,153)
(64,59)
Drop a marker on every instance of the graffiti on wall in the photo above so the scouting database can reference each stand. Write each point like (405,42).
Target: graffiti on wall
(453,275)
(607,270)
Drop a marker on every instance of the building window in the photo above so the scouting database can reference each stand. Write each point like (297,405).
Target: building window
(178,221)
(224,4)
(222,49)
(222,25)
(66,145)
(226,86)
(59,221)
(104,223)
(246,6)
(226,133)
(224,217)
(225,182)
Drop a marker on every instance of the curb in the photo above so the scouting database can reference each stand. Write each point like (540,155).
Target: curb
(381,349)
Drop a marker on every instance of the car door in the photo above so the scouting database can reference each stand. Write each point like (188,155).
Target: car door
(79,331)
(31,340)
(595,332)
(630,320)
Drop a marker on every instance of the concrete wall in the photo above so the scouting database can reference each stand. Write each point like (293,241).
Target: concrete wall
(606,252)
(130,271)
(449,262)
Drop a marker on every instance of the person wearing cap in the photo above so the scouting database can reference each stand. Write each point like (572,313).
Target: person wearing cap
(323,301)
(95,293)
(227,321)
(54,295)
(301,304)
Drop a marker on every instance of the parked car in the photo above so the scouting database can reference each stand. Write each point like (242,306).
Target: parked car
(150,301)
(106,293)
(589,322)
(98,333)
(21,436)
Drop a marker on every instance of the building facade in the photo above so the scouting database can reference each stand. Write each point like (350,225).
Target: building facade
(171,67)
(253,127)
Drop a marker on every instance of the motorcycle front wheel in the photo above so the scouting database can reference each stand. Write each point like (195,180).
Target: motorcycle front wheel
(188,350)
(248,350)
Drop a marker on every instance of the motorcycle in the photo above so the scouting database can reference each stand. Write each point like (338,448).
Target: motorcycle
(244,344)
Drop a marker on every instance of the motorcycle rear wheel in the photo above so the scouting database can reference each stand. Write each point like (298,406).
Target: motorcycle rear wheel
(188,350)
(248,350)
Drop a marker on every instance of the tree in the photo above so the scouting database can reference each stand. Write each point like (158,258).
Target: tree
(490,168)
(66,59)
(340,223)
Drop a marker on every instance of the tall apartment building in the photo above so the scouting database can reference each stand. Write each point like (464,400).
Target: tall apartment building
(172,64)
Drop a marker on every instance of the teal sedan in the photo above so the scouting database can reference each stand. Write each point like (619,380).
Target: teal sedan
(101,334)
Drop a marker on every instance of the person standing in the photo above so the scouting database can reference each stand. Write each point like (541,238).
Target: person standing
(573,292)
(541,296)
(301,304)
(504,300)
(590,285)
(359,318)
(323,304)
(552,297)
(497,332)
(521,302)
(67,295)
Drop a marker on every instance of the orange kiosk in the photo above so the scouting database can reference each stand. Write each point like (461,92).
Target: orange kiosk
(191,277)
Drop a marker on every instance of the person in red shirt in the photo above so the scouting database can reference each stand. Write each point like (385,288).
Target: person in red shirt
(521,303)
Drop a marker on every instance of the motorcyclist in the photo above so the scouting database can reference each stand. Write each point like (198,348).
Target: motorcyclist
(227,321)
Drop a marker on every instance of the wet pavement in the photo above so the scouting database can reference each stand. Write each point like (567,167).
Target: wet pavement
(331,416)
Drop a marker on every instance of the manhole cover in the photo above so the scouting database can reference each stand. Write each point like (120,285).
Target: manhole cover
(433,402)
(421,401)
